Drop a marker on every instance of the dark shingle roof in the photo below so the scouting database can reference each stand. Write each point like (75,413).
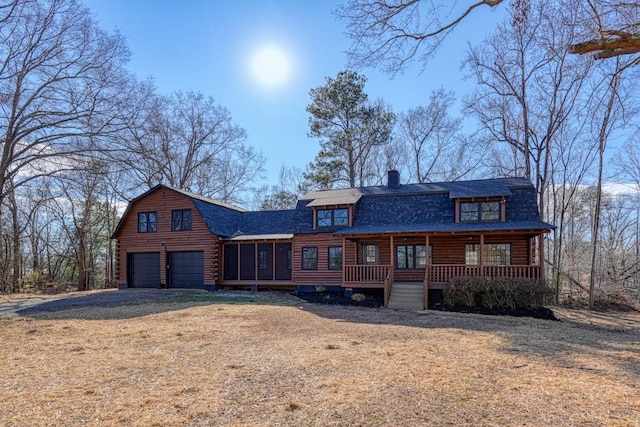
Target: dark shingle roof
(431,208)
(220,220)
(411,208)
(264,222)
(227,223)
(456,189)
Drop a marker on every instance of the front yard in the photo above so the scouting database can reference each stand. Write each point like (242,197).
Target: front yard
(272,359)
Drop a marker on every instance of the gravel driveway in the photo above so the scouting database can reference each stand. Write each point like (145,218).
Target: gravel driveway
(25,305)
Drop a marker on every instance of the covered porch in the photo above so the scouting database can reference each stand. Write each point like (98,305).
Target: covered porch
(432,260)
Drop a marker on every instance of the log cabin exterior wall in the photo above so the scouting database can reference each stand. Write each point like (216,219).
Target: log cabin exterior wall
(199,238)
(322,276)
(374,218)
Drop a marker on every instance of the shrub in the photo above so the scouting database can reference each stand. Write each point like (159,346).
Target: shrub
(499,292)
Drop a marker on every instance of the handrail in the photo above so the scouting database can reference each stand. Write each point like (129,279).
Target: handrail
(388,281)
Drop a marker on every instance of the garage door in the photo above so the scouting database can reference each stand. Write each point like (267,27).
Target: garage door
(186,269)
(143,270)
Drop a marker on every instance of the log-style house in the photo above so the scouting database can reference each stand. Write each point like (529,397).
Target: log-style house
(393,238)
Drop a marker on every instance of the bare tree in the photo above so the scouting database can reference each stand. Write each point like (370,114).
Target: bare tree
(571,161)
(285,194)
(610,106)
(528,87)
(391,34)
(434,147)
(60,82)
(188,141)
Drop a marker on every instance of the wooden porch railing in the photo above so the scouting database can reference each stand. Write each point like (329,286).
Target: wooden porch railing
(438,273)
(366,273)
(442,273)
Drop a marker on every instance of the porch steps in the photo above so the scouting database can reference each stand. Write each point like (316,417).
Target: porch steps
(406,296)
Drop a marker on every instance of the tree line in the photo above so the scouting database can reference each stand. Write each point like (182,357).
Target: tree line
(81,135)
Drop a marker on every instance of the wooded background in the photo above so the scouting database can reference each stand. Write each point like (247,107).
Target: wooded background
(555,101)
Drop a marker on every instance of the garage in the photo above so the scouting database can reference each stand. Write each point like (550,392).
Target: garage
(143,270)
(186,269)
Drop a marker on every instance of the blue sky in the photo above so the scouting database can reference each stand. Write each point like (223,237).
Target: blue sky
(208,46)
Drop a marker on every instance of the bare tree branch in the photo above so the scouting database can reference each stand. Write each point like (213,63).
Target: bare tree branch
(389,34)
(620,44)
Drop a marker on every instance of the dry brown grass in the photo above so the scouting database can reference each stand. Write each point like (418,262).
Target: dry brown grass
(296,364)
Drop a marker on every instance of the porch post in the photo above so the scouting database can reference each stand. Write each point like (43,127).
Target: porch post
(344,258)
(220,275)
(238,267)
(392,273)
(426,275)
(481,260)
(273,266)
(541,261)
(388,281)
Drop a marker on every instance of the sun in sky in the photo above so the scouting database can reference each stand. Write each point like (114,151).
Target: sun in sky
(271,66)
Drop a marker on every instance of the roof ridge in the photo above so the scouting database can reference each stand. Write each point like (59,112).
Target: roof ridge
(206,199)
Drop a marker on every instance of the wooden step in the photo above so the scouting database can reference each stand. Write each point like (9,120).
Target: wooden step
(406,296)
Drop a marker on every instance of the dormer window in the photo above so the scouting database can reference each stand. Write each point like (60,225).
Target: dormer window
(332,217)
(479,211)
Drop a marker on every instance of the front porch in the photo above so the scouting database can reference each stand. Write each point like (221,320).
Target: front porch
(431,261)
(435,276)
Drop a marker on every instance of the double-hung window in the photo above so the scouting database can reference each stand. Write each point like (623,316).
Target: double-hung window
(181,220)
(147,222)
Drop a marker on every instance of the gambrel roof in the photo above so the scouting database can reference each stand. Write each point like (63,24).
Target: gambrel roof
(226,220)
(428,207)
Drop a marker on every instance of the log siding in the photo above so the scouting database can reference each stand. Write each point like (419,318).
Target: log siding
(164,201)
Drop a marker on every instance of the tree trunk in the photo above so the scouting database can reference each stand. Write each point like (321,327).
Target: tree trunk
(602,142)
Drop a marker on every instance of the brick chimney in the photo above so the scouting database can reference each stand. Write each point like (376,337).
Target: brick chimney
(393,179)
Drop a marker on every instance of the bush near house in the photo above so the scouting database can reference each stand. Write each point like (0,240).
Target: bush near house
(499,292)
